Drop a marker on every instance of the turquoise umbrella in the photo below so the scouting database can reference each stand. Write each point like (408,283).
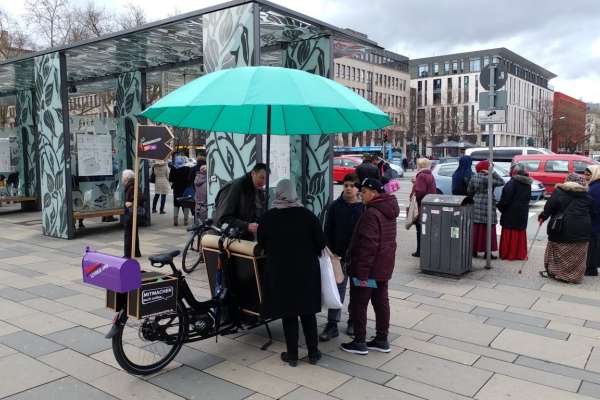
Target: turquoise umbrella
(267,100)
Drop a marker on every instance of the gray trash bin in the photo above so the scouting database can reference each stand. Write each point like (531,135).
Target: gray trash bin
(446,234)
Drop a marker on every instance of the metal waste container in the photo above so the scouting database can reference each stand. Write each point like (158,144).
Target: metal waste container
(446,237)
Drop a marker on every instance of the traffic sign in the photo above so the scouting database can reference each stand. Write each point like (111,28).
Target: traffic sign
(499,102)
(500,76)
(491,117)
(154,142)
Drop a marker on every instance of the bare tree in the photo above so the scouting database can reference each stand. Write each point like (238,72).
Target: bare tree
(91,21)
(52,19)
(542,120)
(133,17)
(13,40)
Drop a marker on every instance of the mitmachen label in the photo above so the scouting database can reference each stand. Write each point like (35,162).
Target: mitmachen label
(150,296)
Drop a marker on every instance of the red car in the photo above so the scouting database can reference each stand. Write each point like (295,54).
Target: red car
(551,169)
(343,165)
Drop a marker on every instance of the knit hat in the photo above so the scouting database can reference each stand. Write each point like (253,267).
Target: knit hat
(575,178)
(483,165)
(371,183)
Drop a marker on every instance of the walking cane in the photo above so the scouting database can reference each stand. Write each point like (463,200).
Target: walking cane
(531,246)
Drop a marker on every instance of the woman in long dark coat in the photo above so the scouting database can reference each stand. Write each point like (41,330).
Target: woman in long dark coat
(592,174)
(179,176)
(462,176)
(293,240)
(569,230)
(478,189)
(514,206)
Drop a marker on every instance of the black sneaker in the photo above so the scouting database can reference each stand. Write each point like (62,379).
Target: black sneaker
(313,359)
(380,345)
(286,358)
(355,348)
(350,329)
(330,332)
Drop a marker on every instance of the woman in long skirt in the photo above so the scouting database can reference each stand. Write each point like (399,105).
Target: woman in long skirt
(514,206)
(569,230)
(478,189)
(592,175)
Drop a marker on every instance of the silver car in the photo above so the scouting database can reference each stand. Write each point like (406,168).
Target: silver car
(443,180)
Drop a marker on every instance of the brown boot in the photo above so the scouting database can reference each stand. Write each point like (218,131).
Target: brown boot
(175,221)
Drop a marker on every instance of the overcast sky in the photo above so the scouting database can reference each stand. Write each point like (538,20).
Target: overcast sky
(562,36)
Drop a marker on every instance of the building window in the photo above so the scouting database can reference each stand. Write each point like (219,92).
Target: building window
(449,92)
(458,90)
(446,67)
(343,72)
(337,70)
(353,73)
(455,67)
(437,91)
(423,70)
(433,121)
(436,69)
(476,90)
(425,101)
(462,66)
(465,118)
(442,118)
(348,72)
(486,61)
(472,118)
(466,88)
(475,65)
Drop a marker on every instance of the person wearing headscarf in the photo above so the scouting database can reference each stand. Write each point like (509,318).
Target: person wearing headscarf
(423,184)
(592,176)
(478,188)
(179,176)
(569,230)
(514,206)
(462,176)
(293,240)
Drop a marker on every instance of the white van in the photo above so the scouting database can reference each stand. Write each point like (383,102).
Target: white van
(503,154)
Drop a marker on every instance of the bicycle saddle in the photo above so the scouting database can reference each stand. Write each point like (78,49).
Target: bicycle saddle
(164,258)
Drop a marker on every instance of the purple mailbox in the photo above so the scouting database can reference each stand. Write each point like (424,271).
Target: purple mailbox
(118,274)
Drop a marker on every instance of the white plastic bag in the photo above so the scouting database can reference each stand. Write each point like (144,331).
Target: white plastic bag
(330,296)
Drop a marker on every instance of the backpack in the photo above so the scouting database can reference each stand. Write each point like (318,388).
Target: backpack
(221,194)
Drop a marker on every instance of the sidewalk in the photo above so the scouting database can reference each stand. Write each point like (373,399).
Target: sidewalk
(490,335)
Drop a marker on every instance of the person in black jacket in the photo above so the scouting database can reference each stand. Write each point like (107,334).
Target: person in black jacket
(342,216)
(514,206)
(569,230)
(179,176)
(241,203)
(367,169)
(293,241)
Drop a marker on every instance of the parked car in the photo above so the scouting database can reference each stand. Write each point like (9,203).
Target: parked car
(343,165)
(551,169)
(504,154)
(346,164)
(443,180)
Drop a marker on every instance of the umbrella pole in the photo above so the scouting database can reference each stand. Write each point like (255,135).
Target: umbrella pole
(268,155)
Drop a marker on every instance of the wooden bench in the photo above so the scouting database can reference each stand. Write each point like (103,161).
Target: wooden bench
(97,213)
(16,199)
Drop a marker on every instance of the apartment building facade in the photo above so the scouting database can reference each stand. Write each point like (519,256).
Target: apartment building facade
(448,90)
(383,79)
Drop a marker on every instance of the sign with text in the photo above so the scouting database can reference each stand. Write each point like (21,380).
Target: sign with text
(491,117)
(154,142)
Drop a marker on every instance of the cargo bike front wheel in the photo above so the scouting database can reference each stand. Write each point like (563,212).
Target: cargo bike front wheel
(143,347)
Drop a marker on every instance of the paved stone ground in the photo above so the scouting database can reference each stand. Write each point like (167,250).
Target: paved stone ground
(490,335)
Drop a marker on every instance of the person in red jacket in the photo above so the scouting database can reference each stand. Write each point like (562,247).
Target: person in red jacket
(372,254)
(423,184)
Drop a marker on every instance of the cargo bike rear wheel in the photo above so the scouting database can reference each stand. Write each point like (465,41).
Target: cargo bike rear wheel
(143,347)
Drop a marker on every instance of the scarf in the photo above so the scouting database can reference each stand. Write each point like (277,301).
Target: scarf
(285,195)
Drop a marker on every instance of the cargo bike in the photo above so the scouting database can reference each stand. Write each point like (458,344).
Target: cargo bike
(156,314)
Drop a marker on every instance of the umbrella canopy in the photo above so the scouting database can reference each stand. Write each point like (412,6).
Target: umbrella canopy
(240,100)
